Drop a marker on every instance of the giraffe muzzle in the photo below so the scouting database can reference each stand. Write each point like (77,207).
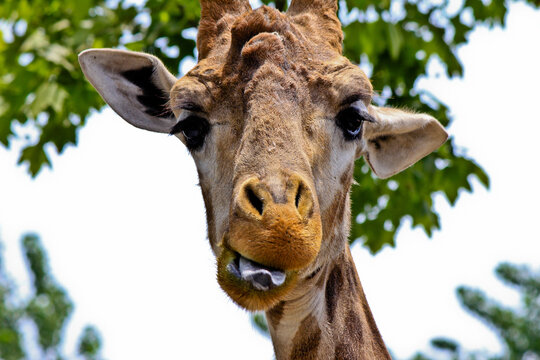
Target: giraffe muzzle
(275,222)
(274,234)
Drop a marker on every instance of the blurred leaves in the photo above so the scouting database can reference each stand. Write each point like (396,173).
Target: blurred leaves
(47,310)
(518,329)
(41,84)
(258,320)
(90,344)
(43,91)
(10,313)
(50,306)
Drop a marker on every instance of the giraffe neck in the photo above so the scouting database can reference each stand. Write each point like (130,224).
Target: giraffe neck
(330,319)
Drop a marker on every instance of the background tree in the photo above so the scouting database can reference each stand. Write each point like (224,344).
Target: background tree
(47,309)
(43,92)
(517,329)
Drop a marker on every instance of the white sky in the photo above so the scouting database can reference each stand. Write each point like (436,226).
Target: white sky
(123,223)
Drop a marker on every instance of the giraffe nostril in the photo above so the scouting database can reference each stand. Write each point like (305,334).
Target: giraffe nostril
(303,200)
(298,195)
(254,200)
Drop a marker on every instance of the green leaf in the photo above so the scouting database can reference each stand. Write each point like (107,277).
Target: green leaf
(35,157)
(445,344)
(37,40)
(395,40)
(89,343)
(49,94)
(5,125)
(57,54)
(258,320)
(10,314)
(50,307)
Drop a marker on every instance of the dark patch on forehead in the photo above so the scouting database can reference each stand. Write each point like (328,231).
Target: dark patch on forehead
(306,340)
(332,291)
(153,98)
(276,313)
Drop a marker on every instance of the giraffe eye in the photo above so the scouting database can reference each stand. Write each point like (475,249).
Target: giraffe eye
(350,121)
(194,128)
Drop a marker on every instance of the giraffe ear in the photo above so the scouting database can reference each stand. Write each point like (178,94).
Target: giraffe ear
(398,139)
(135,85)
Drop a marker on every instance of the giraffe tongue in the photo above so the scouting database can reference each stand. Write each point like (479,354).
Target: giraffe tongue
(262,278)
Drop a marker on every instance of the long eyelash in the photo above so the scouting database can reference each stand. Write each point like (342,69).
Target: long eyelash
(367,117)
(178,127)
(364,114)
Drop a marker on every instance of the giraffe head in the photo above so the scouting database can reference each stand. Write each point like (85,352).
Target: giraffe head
(274,118)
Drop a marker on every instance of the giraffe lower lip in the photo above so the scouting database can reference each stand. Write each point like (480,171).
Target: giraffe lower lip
(259,276)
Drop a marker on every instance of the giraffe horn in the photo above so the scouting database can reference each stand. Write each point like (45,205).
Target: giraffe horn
(315,6)
(213,11)
(324,14)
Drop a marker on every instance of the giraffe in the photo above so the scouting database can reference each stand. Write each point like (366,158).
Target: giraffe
(274,117)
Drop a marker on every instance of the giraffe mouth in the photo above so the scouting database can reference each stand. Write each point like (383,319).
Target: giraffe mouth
(250,284)
(262,278)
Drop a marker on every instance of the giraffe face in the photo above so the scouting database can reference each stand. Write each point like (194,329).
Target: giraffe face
(274,117)
(274,130)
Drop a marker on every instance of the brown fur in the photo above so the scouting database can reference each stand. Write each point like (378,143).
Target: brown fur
(265,59)
(274,314)
(216,17)
(274,98)
(334,285)
(306,341)
(286,71)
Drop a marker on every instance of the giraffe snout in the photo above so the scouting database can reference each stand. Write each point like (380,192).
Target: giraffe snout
(274,232)
(276,222)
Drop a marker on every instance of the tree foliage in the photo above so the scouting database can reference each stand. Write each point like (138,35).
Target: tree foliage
(44,98)
(47,310)
(518,329)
